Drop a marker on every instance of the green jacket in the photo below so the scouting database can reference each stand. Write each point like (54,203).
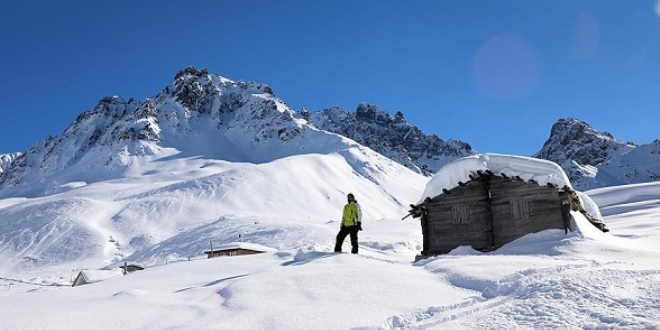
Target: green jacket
(352,214)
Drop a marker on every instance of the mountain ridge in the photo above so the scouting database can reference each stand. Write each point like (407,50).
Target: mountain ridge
(236,116)
(394,137)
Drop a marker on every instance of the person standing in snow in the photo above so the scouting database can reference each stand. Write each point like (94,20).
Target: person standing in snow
(351,223)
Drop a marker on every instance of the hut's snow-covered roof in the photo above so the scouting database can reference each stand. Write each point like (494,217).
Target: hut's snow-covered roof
(92,276)
(244,246)
(542,171)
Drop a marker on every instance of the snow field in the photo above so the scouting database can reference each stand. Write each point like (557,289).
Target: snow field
(170,212)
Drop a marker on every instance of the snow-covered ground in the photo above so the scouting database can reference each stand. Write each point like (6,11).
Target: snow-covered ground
(583,280)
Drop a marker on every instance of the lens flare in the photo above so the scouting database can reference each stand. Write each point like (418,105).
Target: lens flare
(506,67)
(586,37)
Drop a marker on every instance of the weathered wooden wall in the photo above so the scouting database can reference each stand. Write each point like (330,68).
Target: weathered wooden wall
(520,208)
(229,252)
(489,212)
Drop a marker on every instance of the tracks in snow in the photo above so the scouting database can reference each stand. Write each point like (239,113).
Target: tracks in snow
(565,296)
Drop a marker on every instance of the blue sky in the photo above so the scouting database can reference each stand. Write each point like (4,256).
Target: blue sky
(495,74)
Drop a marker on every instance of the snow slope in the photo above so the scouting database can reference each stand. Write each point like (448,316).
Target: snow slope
(169,209)
(586,279)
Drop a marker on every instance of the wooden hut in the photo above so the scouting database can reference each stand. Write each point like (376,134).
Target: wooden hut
(236,249)
(486,201)
(130,268)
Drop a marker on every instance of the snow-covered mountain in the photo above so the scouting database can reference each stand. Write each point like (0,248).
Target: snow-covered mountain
(205,114)
(393,137)
(583,153)
(199,114)
(641,164)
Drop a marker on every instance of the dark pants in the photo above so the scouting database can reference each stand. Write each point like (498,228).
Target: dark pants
(345,231)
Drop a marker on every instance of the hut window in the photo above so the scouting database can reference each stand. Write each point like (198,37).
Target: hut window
(460,214)
(520,208)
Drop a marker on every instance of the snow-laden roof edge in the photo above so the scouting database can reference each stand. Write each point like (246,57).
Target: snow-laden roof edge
(527,168)
(589,206)
(244,246)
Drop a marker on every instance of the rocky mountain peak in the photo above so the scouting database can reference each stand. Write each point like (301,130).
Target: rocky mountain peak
(574,140)
(194,88)
(371,113)
(580,149)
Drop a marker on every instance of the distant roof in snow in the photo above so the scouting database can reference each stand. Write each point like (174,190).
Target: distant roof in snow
(542,171)
(92,276)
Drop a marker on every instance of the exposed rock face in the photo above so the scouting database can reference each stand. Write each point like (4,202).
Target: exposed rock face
(7,159)
(393,137)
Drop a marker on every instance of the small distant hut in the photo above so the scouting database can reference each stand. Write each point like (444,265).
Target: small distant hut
(236,249)
(486,201)
(129,268)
